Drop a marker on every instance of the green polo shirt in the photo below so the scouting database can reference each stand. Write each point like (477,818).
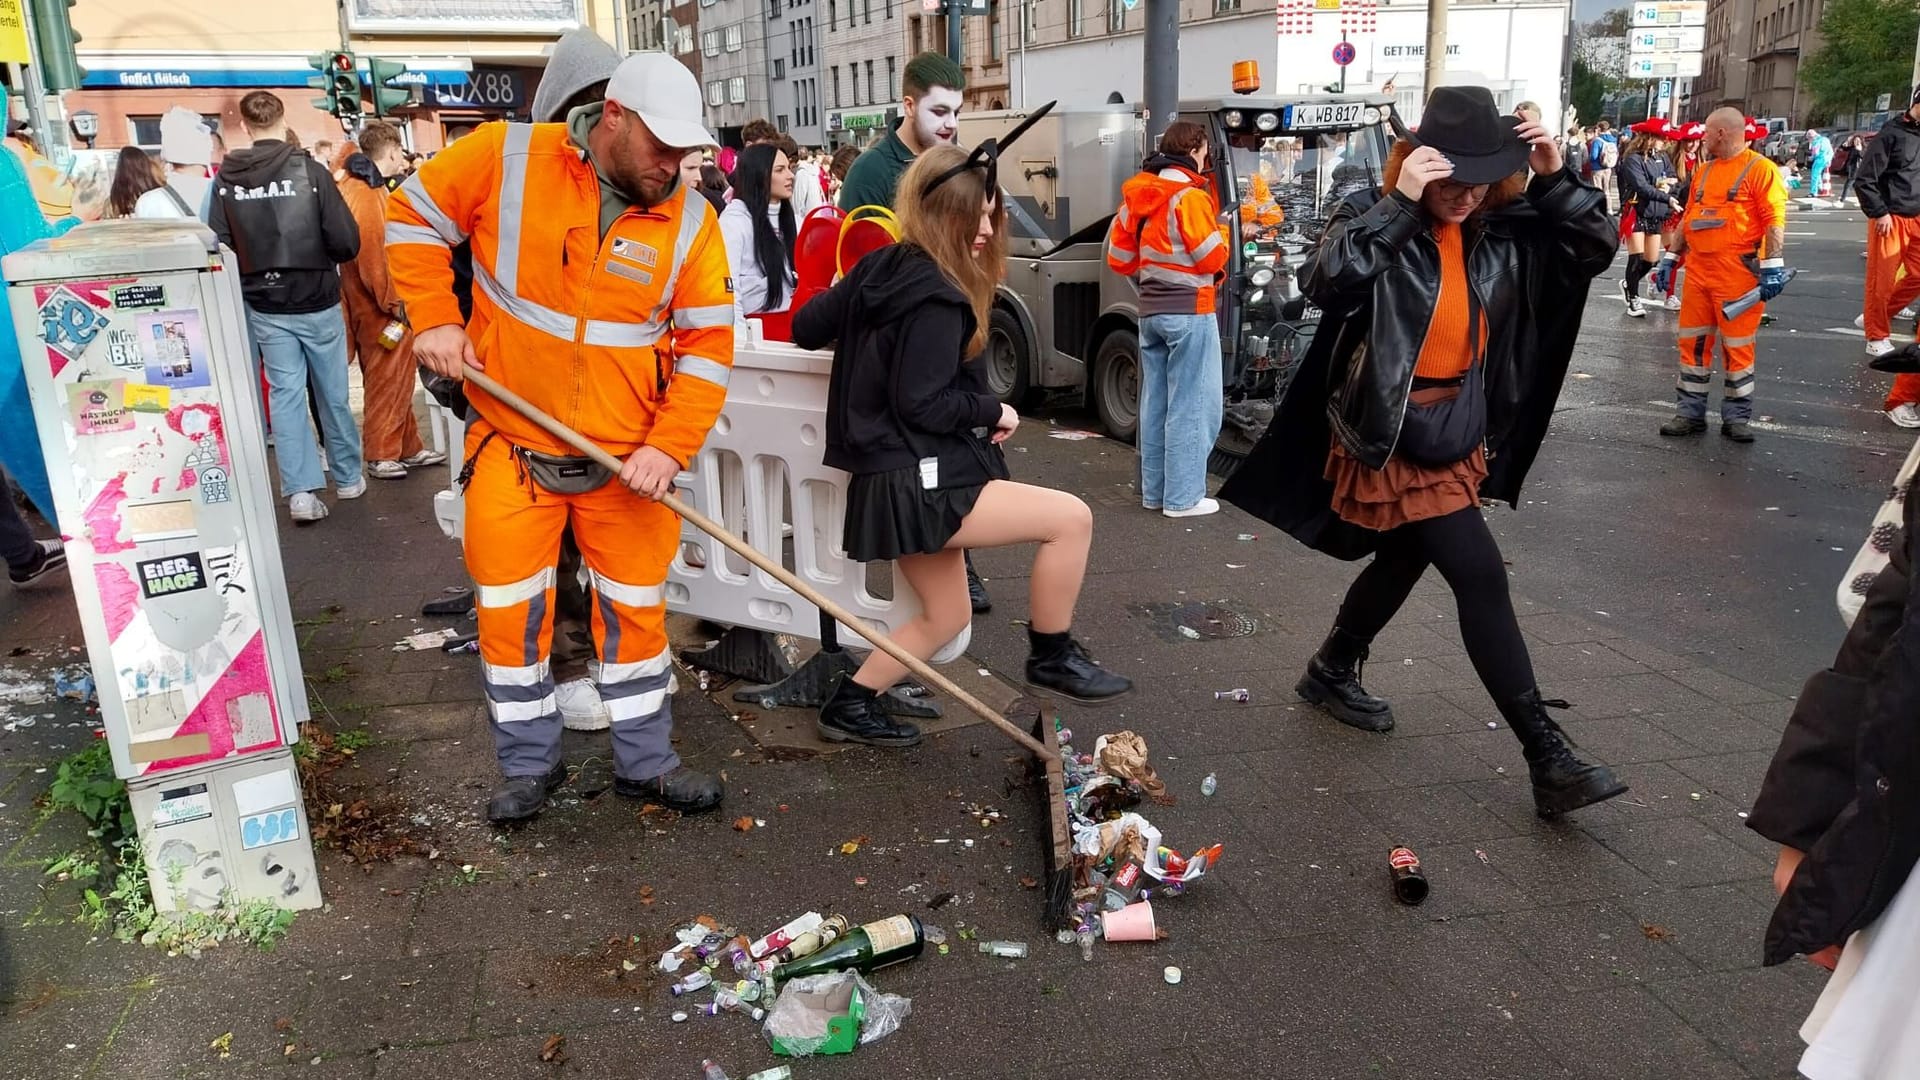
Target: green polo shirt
(875,174)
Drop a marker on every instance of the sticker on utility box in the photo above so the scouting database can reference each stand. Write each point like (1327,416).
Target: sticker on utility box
(181,805)
(272,827)
(138,297)
(173,574)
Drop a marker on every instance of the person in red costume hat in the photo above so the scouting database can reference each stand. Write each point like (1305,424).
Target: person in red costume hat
(1646,180)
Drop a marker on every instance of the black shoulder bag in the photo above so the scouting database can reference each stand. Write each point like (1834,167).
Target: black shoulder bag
(1445,431)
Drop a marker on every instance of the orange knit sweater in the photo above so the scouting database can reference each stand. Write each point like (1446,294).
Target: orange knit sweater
(1445,355)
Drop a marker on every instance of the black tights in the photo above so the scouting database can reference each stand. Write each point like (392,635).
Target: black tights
(1463,550)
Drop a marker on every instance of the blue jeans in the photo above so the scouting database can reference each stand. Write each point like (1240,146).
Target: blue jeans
(1181,404)
(294,349)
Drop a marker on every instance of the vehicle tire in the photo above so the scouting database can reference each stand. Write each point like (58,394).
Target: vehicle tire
(1009,360)
(1114,391)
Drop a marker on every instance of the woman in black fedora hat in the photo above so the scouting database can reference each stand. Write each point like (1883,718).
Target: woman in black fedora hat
(1452,299)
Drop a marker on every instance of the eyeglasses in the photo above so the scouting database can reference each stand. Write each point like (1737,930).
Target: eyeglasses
(1457,192)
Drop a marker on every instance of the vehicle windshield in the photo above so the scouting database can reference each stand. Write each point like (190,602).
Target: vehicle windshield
(1285,186)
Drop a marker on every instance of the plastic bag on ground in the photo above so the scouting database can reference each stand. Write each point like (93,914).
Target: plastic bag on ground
(884,1013)
(831,1014)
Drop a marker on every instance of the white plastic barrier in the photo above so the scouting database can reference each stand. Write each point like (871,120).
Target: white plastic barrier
(759,471)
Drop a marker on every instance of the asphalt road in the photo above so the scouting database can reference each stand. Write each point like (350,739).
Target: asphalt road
(1702,546)
(1727,554)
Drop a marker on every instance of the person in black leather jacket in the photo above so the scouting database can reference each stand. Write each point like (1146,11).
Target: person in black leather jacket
(910,416)
(1452,300)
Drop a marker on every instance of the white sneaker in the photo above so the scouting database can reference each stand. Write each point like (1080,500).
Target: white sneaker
(580,706)
(1906,416)
(386,470)
(304,507)
(1882,347)
(1673,302)
(1907,313)
(1859,322)
(1199,509)
(353,490)
(423,459)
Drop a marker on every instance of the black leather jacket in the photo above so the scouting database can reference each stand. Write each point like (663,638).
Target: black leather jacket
(1378,265)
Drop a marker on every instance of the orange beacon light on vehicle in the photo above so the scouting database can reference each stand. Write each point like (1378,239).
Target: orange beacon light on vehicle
(1246,76)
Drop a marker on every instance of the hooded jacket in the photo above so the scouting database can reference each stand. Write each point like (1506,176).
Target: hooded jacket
(580,59)
(901,388)
(750,289)
(1376,274)
(1889,180)
(279,211)
(1167,237)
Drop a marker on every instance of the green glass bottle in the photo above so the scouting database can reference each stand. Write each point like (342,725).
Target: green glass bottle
(863,949)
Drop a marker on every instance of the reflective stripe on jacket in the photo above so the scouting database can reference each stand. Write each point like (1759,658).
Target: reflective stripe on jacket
(1168,238)
(626,338)
(1744,195)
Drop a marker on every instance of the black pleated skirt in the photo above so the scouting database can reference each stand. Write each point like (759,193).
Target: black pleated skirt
(889,515)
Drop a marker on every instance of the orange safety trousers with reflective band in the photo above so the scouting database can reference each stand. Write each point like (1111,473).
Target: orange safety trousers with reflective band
(1713,280)
(1890,291)
(626,338)
(512,533)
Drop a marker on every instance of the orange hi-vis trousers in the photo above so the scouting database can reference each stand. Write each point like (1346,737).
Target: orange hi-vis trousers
(512,538)
(1713,280)
(1889,291)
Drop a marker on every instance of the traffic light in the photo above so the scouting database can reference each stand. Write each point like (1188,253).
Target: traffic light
(340,78)
(386,98)
(54,40)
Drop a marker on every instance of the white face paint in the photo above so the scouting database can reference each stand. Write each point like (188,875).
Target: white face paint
(935,117)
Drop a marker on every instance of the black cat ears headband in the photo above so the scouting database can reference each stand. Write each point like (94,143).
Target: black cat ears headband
(986,156)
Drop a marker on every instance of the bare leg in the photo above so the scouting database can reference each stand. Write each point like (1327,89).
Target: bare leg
(1005,513)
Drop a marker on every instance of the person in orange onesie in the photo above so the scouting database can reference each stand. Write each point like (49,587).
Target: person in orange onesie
(601,297)
(1732,235)
(1889,187)
(389,434)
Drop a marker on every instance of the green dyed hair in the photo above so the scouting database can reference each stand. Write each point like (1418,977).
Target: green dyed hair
(928,70)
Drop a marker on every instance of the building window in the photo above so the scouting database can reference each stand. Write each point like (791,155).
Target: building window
(873,89)
(1026,22)
(833,14)
(737,90)
(716,93)
(683,40)
(993,30)
(710,43)
(913,32)
(1222,7)
(779,67)
(773,11)
(836,86)
(736,37)
(853,76)
(888,7)
(780,121)
(866,10)
(893,81)
(1073,17)
(1116,16)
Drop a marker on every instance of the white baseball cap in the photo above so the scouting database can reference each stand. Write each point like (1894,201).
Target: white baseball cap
(667,97)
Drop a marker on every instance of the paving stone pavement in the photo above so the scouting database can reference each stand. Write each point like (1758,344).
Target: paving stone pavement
(1624,943)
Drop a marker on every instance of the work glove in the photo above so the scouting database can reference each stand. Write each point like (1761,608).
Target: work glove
(1663,271)
(1774,276)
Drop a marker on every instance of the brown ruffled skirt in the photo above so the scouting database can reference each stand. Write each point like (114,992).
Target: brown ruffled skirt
(1403,492)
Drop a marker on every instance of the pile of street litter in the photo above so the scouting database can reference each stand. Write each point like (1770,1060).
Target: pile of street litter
(1119,864)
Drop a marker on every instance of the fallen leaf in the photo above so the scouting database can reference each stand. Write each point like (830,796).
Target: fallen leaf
(1027,881)
(1655,932)
(646,895)
(849,847)
(554,1049)
(285,1023)
(224,1044)
(742,824)
(650,808)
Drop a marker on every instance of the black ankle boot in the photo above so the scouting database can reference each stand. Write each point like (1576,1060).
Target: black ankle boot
(977,589)
(1332,682)
(854,714)
(519,798)
(1562,782)
(1059,664)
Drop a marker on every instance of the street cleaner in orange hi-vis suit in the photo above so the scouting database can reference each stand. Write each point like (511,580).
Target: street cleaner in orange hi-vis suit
(1732,235)
(601,296)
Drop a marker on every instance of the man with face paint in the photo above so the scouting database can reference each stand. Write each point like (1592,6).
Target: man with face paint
(930,114)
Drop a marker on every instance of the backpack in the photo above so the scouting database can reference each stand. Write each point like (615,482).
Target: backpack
(1610,153)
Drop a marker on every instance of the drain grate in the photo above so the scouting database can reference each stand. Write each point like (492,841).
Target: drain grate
(1200,620)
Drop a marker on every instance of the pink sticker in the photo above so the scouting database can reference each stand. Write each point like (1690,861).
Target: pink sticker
(119,596)
(246,677)
(103,520)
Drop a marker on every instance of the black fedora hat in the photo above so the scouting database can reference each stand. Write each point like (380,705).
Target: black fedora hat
(1463,123)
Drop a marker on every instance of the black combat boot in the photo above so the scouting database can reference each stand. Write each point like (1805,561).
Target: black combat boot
(855,714)
(1059,664)
(976,588)
(519,798)
(1332,682)
(1562,782)
(680,788)
(1682,426)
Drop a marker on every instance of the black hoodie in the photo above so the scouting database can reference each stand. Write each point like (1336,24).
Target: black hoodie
(901,388)
(287,224)
(1889,179)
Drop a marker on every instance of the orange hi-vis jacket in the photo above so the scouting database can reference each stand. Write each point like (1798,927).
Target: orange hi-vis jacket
(1732,203)
(1167,237)
(1258,206)
(627,338)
